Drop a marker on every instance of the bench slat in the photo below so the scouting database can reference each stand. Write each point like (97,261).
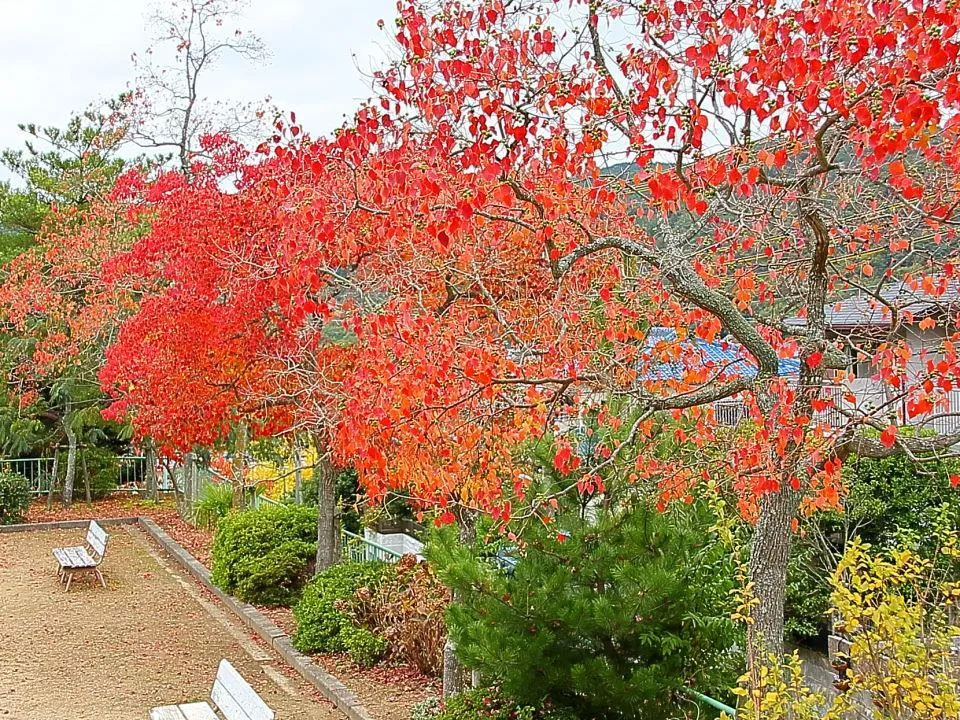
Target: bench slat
(235,698)
(97,538)
(198,711)
(167,712)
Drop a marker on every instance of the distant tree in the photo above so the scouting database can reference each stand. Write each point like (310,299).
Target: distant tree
(168,108)
(58,166)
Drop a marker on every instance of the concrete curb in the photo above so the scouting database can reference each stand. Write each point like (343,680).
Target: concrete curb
(267,630)
(66,524)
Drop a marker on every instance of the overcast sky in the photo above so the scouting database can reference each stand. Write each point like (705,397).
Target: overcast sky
(58,56)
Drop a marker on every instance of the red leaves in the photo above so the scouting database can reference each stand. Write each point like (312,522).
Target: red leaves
(815,359)
(889,436)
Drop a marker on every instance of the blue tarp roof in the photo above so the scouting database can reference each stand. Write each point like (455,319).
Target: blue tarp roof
(726,356)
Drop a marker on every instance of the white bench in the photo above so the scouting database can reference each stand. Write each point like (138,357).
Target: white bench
(232,696)
(83,558)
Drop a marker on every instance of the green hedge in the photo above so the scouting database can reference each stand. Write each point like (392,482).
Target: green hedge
(265,556)
(15,497)
(322,624)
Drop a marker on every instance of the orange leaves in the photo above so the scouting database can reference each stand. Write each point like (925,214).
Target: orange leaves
(889,436)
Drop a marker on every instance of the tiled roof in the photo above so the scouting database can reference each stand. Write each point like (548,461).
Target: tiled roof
(726,357)
(863,310)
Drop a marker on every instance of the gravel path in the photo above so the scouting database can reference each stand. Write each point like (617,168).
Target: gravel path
(150,638)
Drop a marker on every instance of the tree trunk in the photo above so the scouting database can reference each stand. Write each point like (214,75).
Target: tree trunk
(71,474)
(86,477)
(54,473)
(297,473)
(769,556)
(186,505)
(150,469)
(327,516)
(456,678)
(239,454)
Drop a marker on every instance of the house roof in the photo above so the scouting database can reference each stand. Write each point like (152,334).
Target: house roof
(865,310)
(724,357)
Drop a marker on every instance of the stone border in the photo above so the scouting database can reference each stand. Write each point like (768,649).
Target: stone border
(331,687)
(67,524)
(334,690)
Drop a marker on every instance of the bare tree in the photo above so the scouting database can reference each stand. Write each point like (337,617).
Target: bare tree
(168,110)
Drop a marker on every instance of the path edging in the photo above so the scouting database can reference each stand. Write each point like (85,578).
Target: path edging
(67,524)
(334,690)
(266,629)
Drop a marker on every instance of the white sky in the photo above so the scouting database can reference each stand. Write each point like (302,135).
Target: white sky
(58,56)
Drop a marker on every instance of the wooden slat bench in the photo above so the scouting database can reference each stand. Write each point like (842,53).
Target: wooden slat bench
(83,558)
(231,695)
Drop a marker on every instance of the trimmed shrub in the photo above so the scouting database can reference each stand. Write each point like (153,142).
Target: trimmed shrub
(265,556)
(365,648)
(15,498)
(323,610)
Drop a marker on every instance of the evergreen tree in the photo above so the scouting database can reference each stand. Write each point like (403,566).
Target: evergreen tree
(604,612)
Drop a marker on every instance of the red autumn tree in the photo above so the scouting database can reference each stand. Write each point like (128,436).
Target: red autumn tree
(781,180)
(242,324)
(59,316)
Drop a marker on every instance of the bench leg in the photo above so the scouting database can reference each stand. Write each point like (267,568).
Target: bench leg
(100,575)
(69,580)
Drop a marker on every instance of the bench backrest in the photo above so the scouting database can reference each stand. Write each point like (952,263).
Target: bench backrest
(235,698)
(97,540)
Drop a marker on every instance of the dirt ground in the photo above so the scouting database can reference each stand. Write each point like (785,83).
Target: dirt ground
(150,638)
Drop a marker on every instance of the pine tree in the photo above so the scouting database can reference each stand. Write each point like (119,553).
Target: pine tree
(607,616)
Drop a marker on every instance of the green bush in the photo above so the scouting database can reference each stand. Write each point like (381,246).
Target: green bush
(426,709)
(320,613)
(101,465)
(15,496)
(265,556)
(607,616)
(365,648)
(889,502)
(214,503)
(489,704)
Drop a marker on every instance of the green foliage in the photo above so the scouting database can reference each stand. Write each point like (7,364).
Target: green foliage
(214,503)
(426,709)
(808,593)
(408,608)
(605,617)
(69,165)
(490,704)
(321,612)
(15,497)
(264,556)
(365,647)
(890,503)
(21,215)
(103,467)
(348,493)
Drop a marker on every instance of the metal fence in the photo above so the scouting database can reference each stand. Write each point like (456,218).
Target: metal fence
(131,471)
(846,405)
(358,548)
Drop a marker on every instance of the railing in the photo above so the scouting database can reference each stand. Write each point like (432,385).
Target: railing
(710,702)
(847,404)
(358,548)
(131,472)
